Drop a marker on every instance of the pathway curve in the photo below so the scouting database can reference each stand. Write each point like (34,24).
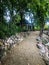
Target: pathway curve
(26,53)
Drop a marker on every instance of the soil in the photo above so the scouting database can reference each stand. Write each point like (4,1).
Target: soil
(26,53)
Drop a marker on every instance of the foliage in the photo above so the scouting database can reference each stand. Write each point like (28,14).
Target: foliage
(46,27)
(39,8)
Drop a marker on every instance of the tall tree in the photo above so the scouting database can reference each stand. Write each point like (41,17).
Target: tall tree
(40,9)
(21,7)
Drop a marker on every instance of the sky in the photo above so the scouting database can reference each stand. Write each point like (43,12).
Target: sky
(27,17)
(7,15)
(47,23)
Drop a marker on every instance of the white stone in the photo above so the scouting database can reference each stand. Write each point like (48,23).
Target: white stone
(47,44)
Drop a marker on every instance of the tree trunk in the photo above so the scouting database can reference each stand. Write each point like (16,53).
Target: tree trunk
(33,28)
(21,21)
(41,32)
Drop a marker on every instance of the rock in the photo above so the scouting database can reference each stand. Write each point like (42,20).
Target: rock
(38,38)
(47,44)
(8,43)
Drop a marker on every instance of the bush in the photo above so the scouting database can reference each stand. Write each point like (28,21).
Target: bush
(6,30)
(37,28)
(2,34)
(45,27)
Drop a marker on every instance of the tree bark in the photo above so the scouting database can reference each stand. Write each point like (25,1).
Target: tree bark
(41,31)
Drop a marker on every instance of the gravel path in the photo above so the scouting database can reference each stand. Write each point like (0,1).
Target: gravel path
(26,53)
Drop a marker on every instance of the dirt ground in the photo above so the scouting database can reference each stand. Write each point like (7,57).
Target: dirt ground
(26,53)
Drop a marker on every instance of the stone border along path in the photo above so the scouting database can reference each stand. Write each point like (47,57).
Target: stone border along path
(26,53)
